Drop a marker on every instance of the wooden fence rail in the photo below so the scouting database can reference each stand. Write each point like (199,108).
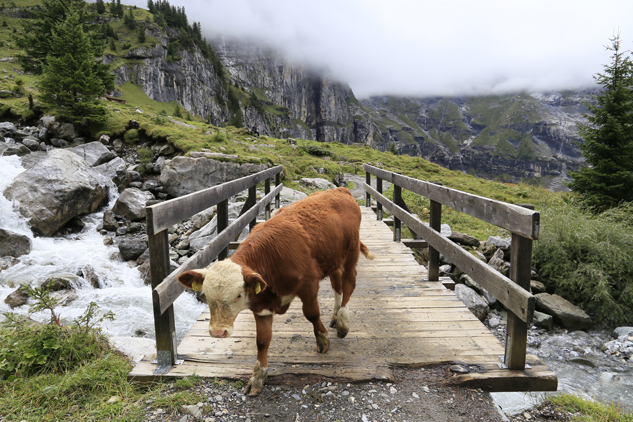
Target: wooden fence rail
(165,286)
(523,223)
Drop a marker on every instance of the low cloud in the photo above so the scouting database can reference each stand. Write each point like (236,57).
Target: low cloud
(428,47)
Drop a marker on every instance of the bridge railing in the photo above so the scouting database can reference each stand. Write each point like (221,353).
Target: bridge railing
(523,223)
(165,286)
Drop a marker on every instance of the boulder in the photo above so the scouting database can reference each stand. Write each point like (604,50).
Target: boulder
(473,301)
(62,281)
(131,249)
(17,298)
(16,149)
(7,127)
(543,320)
(95,153)
(184,175)
(31,143)
(317,183)
(564,312)
(14,244)
(131,203)
(622,333)
(537,287)
(203,217)
(115,170)
(200,238)
(499,242)
(464,239)
(65,131)
(56,190)
(109,222)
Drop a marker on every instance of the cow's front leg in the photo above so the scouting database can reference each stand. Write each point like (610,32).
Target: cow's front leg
(312,314)
(264,335)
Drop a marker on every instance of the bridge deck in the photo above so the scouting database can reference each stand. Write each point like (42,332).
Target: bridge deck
(396,320)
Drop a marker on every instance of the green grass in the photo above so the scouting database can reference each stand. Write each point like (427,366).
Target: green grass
(589,411)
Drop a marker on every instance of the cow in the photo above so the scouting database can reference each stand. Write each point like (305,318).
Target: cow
(283,258)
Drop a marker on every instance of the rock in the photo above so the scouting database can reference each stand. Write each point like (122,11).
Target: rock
(622,333)
(60,130)
(564,312)
(496,261)
(95,153)
(198,239)
(464,239)
(542,320)
(56,190)
(131,249)
(104,139)
(7,262)
(488,249)
(537,287)
(62,281)
(131,203)
(59,143)
(472,300)
(203,217)
(167,149)
(478,255)
(115,170)
(109,222)
(117,144)
(499,242)
(16,149)
(14,244)
(183,175)
(288,196)
(465,279)
(17,298)
(88,273)
(31,143)
(317,183)
(7,127)
(192,410)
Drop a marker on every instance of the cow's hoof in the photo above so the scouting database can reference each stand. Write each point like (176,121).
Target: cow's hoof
(256,383)
(342,322)
(333,323)
(323,343)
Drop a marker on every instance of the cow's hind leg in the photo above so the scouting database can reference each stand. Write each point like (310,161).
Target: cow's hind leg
(312,314)
(264,326)
(349,284)
(337,286)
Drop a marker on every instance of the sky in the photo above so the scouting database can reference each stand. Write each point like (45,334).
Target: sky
(428,48)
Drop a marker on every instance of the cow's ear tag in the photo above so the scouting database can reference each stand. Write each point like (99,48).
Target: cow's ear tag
(258,288)
(196,286)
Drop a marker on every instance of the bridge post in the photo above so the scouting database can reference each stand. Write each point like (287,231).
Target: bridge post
(266,192)
(223,223)
(378,204)
(252,198)
(397,224)
(435,222)
(164,324)
(367,195)
(520,273)
(277,183)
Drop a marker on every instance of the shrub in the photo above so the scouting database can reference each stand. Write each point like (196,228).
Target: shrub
(588,259)
(317,151)
(131,136)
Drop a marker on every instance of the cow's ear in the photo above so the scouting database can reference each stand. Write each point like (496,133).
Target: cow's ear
(256,282)
(192,279)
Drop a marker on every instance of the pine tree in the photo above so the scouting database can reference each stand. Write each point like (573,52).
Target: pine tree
(608,146)
(178,112)
(119,9)
(73,80)
(101,9)
(141,34)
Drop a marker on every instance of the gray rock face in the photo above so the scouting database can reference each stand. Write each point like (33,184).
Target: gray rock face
(55,129)
(564,312)
(203,217)
(131,203)
(115,170)
(200,238)
(57,189)
(183,175)
(95,153)
(472,300)
(131,249)
(14,244)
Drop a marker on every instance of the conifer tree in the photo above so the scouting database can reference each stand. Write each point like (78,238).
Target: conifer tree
(141,34)
(101,7)
(608,146)
(73,80)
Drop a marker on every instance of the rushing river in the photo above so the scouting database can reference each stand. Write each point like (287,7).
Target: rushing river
(575,357)
(122,292)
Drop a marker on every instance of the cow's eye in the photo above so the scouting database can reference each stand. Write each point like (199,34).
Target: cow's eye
(238,297)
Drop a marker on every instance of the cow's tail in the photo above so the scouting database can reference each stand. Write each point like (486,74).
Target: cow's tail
(365,251)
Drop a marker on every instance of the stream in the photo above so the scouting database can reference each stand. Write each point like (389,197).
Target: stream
(575,357)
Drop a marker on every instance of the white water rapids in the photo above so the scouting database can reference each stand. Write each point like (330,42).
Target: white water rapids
(122,292)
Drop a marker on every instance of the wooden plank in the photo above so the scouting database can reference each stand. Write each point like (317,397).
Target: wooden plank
(511,217)
(169,290)
(168,213)
(415,243)
(435,222)
(513,297)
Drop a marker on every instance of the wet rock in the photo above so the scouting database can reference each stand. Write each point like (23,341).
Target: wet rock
(16,149)
(7,262)
(56,190)
(17,298)
(131,203)
(60,130)
(109,222)
(464,239)
(543,320)
(95,153)
(63,281)
(622,333)
(14,244)
(564,312)
(131,249)
(89,274)
(104,139)
(472,300)
(59,143)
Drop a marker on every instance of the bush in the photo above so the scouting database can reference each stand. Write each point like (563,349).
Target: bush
(317,151)
(588,259)
(131,136)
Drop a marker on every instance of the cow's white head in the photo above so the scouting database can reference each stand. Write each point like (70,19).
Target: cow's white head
(226,287)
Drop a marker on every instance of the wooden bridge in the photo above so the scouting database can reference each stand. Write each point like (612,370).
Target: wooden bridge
(398,316)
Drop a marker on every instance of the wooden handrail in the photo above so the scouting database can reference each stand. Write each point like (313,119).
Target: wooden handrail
(165,214)
(513,297)
(168,291)
(514,218)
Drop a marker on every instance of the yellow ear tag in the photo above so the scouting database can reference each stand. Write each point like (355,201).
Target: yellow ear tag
(196,286)
(258,288)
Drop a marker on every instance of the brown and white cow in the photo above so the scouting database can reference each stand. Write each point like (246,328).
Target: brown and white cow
(284,258)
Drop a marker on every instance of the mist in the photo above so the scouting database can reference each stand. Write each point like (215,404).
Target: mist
(428,48)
